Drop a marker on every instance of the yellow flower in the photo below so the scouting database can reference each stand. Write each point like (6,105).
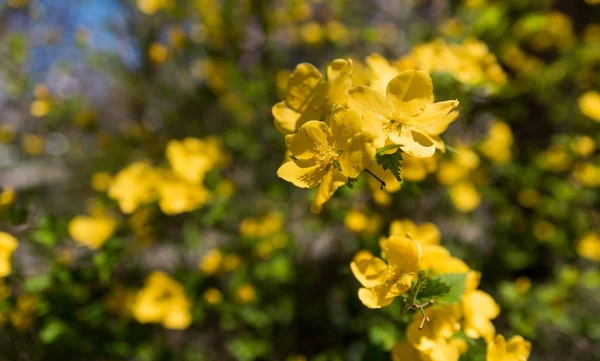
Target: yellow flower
(246,294)
(92,232)
(101,181)
(40,108)
(192,158)
(158,53)
(426,233)
(7,197)
(516,349)
(133,186)
(479,309)
(529,197)
(309,96)
(8,245)
(444,323)
(23,315)
(589,104)
(583,145)
(381,72)
(416,169)
(589,246)
(382,282)
(406,115)
(177,195)
(33,144)
(554,159)
(337,32)
(465,197)
(211,261)
(231,262)
(587,174)
(149,7)
(523,284)
(213,296)
(7,133)
(320,150)
(312,33)
(162,300)
(356,221)
(498,142)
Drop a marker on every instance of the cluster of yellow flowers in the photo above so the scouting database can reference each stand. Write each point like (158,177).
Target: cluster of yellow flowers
(8,245)
(458,174)
(162,300)
(266,231)
(410,252)
(334,131)
(179,188)
(470,63)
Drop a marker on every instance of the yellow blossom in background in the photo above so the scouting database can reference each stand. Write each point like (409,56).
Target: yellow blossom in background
(120,300)
(213,296)
(178,195)
(589,246)
(40,108)
(158,53)
(381,72)
(162,300)
(516,349)
(406,114)
(583,145)
(479,309)
(435,336)
(529,197)
(554,159)
(312,33)
(465,197)
(33,144)
(416,169)
(7,133)
(319,150)
(23,315)
(101,181)
(267,225)
(245,293)
(176,36)
(587,174)
(91,232)
(7,197)
(589,104)
(360,222)
(425,233)
(8,245)
(523,284)
(192,158)
(498,143)
(544,230)
(382,281)
(133,186)
(337,32)
(211,262)
(231,262)
(309,96)
(149,7)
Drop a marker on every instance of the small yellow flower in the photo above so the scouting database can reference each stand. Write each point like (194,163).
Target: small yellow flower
(33,144)
(40,108)
(309,96)
(213,296)
(231,262)
(326,156)
(211,261)
(7,133)
(8,245)
(177,195)
(7,197)
(479,309)
(383,282)
(149,7)
(133,186)
(406,115)
(583,145)
(426,233)
(356,221)
(498,143)
(101,181)
(587,174)
(465,197)
(158,53)
(92,232)
(589,104)
(544,230)
(192,158)
(162,300)
(246,294)
(312,33)
(529,197)
(516,349)
(589,246)
(416,169)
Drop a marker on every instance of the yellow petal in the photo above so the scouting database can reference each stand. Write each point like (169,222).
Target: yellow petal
(307,177)
(414,143)
(442,124)
(411,91)
(373,124)
(381,72)
(404,351)
(363,98)
(310,140)
(357,156)
(304,85)
(369,270)
(402,253)
(331,182)
(344,125)
(339,77)
(374,297)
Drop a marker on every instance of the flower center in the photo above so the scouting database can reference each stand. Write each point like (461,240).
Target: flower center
(326,154)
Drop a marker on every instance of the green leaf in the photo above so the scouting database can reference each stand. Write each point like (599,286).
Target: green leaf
(52,331)
(391,162)
(38,283)
(457,283)
(351,182)
(477,351)
(384,334)
(434,288)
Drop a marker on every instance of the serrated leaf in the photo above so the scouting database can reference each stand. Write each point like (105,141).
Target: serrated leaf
(457,283)
(476,352)
(391,162)
(433,289)
(351,182)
